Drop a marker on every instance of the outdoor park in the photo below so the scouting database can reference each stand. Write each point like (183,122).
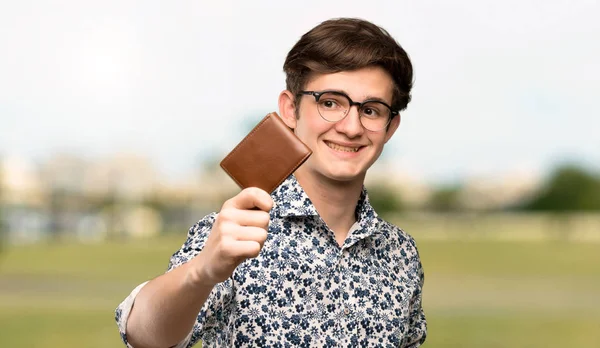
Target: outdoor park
(478,293)
(492,280)
(114,116)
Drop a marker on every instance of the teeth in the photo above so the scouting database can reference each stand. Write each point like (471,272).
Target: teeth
(342,148)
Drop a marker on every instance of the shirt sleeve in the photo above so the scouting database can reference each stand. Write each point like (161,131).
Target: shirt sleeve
(212,313)
(417,331)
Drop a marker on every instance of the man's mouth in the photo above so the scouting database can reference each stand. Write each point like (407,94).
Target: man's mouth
(338,147)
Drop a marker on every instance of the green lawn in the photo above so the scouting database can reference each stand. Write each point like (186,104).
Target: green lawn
(477,294)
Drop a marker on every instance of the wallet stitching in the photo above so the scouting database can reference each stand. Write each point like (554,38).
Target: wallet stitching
(248,137)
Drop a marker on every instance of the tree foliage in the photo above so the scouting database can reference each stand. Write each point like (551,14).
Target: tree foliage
(384,199)
(2,229)
(570,188)
(445,199)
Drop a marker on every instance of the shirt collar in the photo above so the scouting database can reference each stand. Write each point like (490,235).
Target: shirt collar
(291,200)
(367,217)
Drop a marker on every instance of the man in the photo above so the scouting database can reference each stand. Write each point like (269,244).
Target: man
(311,264)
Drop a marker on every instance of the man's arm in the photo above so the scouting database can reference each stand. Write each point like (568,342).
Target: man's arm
(167,307)
(184,298)
(417,330)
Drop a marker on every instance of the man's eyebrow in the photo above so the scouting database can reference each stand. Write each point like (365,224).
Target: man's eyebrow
(336,90)
(367,97)
(373,98)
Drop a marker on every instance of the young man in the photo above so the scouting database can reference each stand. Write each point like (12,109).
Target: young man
(311,264)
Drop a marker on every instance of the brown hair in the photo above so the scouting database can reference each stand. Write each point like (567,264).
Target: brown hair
(349,44)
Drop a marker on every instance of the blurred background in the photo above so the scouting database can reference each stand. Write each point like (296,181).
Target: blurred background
(114,116)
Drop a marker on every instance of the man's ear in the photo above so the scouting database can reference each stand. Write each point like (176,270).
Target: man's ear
(287,108)
(394,124)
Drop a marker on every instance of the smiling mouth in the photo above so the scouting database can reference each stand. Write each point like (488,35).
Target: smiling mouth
(342,148)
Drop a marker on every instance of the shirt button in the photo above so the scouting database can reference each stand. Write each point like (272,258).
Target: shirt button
(346,310)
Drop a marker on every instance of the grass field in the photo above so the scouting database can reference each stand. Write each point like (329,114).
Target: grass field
(477,293)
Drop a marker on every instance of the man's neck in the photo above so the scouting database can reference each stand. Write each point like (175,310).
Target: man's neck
(335,201)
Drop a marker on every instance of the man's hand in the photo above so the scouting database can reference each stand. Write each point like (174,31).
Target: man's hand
(238,233)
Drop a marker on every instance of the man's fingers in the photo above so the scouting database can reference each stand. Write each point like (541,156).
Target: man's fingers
(254,234)
(251,218)
(243,249)
(251,198)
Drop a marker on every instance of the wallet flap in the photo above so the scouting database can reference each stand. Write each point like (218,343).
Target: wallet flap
(266,156)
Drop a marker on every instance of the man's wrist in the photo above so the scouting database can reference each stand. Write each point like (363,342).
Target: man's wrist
(196,277)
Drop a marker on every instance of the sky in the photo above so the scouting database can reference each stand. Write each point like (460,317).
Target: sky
(499,86)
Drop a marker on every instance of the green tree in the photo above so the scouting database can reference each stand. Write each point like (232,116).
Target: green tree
(384,199)
(445,199)
(2,232)
(570,188)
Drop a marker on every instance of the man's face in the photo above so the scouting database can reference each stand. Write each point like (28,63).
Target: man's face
(344,150)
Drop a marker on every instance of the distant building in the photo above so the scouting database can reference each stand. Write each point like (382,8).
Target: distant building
(23,212)
(20,183)
(125,176)
(500,191)
(413,191)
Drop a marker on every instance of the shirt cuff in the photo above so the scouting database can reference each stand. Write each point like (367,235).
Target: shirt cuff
(125,308)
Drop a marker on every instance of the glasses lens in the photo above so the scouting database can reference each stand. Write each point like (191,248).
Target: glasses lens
(333,107)
(375,116)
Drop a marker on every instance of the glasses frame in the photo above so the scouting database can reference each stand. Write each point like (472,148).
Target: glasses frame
(352,103)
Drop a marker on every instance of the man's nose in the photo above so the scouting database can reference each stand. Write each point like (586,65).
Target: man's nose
(351,125)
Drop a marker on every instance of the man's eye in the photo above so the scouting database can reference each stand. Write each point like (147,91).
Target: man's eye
(329,103)
(370,112)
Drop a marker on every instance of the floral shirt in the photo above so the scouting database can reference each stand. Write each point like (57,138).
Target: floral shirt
(305,290)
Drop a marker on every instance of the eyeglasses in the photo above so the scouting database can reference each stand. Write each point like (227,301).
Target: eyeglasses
(333,106)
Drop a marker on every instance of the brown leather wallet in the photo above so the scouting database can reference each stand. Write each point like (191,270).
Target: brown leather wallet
(266,156)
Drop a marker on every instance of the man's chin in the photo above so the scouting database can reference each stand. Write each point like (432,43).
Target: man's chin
(341,173)
(345,176)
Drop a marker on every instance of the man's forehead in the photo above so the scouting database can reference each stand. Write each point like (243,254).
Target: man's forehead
(362,84)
